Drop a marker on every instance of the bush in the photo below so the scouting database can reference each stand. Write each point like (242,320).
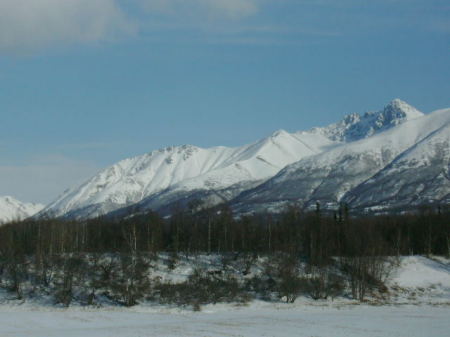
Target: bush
(131,282)
(285,269)
(72,269)
(366,273)
(324,284)
(199,289)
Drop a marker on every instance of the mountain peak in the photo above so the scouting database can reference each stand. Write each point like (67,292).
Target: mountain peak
(398,109)
(279,133)
(397,102)
(13,209)
(9,199)
(163,178)
(356,126)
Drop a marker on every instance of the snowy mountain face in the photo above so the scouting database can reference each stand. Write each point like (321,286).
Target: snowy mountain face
(175,170)
(12,209)
(355,126)
(404,166)
(327,163)
(419,176)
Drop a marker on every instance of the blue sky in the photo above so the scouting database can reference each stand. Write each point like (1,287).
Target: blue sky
(86,83)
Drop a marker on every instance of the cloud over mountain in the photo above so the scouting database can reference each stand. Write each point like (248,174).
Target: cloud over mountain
(30,24)
(227,9)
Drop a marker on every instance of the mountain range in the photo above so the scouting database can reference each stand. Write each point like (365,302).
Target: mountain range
(394,158)
(402,167)
(12,209)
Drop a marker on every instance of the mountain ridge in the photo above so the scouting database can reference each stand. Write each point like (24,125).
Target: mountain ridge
(177,175)
(12,209)
(356,126)
(329,176)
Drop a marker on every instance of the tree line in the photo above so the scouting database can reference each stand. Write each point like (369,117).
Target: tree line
(312,235)
(319,253)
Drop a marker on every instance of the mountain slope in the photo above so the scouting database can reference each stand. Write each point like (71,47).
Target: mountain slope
(419,176)
(355,126)
(174,176)
(12,209)
(183,168)
(329,176)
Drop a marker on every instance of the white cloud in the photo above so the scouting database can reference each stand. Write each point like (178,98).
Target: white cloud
(42,180)
(203,9)
(30,24)
(33,24)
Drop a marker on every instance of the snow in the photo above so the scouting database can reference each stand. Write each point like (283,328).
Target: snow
(416,176)
(234,321)
(333,174)
(424,314)
(420,280)
(175,170)
(421,272)
(12,209)
(355,127)
(396,139)
(401,107)
(187,168)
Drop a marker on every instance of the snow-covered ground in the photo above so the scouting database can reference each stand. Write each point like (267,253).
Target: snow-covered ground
(421,280)
(419,306)
(255,321)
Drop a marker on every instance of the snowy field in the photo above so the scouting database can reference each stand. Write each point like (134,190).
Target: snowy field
(408,321)
(419,305)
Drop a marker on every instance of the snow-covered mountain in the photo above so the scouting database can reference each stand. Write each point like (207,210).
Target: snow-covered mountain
(12,209)
(418,176)
(184,168)
(355,126)
(174,176)
(403,166)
